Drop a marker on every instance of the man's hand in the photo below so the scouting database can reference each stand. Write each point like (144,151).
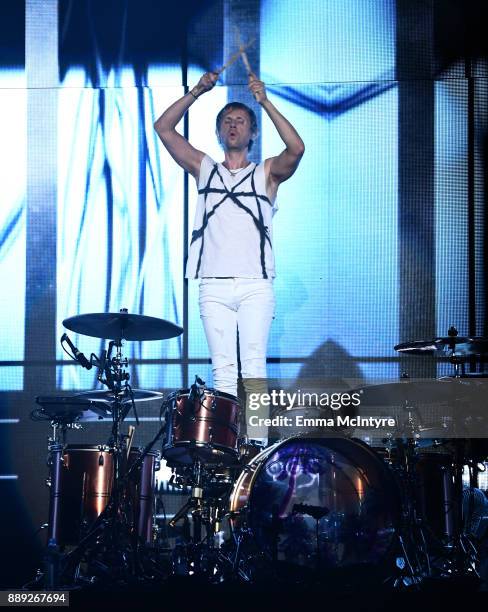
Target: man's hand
(257,88)
(206,83)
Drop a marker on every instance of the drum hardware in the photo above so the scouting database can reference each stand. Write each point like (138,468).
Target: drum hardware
(115,524)
(444,471)
(307,510)
(197,554)
(127,537)
(430,475)
(432,512)
(316,512)
(103,398)
(247,450)
(201,444)
(461,349)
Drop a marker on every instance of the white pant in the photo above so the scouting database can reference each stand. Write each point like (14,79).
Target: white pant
(228,305)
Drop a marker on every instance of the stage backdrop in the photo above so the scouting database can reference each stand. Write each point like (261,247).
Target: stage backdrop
(378,237)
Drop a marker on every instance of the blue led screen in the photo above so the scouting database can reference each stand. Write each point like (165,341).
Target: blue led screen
(121,216)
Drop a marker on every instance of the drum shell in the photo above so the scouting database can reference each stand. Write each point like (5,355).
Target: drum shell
(207,428)
(435,492)
(140,492)
(81,486)
(248,499)
(83,489)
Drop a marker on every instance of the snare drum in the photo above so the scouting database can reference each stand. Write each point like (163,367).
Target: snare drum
(204,428)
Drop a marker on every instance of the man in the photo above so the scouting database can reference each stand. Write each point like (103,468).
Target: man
(231,246)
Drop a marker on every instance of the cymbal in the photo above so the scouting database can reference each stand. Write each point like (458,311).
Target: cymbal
(422,392)
(418,347)
(461,344)
(106,396)
(69,408)
(122,326)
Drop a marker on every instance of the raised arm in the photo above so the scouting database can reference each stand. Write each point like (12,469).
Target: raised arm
(178,147)
(281,167)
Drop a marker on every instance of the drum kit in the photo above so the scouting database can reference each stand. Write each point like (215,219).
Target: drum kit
(306,509)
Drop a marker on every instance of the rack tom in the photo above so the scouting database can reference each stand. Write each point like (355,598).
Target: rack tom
(201,426)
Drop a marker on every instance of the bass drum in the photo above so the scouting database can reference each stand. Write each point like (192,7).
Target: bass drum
(318,504)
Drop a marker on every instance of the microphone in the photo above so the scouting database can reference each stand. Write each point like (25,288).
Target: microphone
(316,512)
(195,395)
(195,391)
(78,355)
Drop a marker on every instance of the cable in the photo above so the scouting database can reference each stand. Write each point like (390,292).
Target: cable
(68,353)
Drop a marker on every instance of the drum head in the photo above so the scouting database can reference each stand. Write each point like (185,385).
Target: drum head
(323,504)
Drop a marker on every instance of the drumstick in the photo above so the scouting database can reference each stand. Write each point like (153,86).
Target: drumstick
(234,57)
(245,59)
(246,62)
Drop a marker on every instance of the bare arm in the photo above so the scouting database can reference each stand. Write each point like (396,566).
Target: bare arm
(178,147)
(281,167)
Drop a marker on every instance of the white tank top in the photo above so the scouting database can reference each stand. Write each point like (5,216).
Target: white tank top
(232,233)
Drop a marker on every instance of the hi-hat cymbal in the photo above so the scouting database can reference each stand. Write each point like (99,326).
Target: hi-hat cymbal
(420,392)
(106,396)
(418,347)
(122,326)
(70,408)
(461,344)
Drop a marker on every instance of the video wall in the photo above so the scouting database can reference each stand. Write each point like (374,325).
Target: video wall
(121,207)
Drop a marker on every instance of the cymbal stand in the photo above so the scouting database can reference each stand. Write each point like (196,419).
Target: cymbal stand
(458,361)
(462,554)
(411,536)
(53,556)
(55,461)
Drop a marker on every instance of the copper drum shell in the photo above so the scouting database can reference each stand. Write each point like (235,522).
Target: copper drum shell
(85,486)
(206,428)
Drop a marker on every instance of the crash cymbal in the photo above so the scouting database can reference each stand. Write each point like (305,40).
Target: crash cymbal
(461,344)
(420,392)
(122,326)
(106,396)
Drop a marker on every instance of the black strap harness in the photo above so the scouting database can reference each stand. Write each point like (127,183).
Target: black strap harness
(233,196)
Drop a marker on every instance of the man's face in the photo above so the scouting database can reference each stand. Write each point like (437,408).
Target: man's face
(235,130)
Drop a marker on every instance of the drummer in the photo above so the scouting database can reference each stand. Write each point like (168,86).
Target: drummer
(231,245)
